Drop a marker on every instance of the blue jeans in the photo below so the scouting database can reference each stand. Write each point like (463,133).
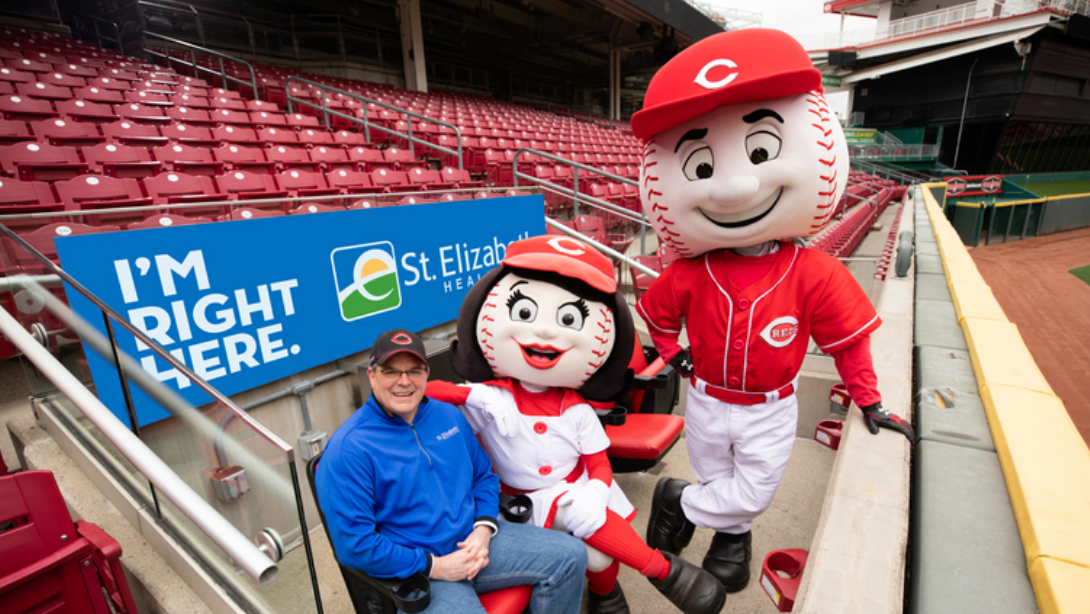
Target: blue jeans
(553,563)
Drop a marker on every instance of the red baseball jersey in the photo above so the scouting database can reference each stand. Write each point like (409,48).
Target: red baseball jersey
(754,339)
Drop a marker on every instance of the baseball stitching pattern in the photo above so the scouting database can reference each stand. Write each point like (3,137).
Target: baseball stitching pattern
(657,212)
(489,305)
(819,107)
(606,324)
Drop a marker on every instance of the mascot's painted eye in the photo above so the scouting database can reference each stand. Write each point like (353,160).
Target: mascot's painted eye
(523,308)
(699,165)
(762,147)
(571,315)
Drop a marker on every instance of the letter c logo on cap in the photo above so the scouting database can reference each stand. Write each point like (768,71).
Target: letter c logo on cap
(702,77)
(577,250)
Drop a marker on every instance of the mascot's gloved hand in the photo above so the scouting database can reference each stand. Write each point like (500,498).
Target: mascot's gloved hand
(506,416)
(876,417)
(682,362)
(586,508)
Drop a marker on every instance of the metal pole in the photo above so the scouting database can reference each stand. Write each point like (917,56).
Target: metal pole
(964,105)
(244,553)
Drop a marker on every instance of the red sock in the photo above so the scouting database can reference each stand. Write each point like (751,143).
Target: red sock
(618,540)
(601,582)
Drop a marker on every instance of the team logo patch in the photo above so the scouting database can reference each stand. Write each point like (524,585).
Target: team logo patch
(781,331)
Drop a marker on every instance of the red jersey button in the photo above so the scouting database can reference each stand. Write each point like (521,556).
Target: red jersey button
(545,470)
(743,304)
(540,428)
(739,344)
(734,381)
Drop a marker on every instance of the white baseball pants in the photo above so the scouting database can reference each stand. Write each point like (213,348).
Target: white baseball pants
(739,454)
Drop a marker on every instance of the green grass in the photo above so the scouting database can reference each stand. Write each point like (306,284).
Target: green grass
(1082,273)
(1059,188)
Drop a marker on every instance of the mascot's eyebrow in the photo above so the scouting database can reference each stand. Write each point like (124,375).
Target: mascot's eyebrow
(760,114)
(693,135)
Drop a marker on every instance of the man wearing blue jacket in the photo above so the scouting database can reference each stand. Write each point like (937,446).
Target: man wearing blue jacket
(405,488)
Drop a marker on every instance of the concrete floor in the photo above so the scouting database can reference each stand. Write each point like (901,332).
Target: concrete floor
(789,523)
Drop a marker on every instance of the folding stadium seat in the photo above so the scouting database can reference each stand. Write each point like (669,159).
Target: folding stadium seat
(137,112)
(219,92)
(368,203)
(107,83)
(28,65)
(239,135)
(499,166)
(268,119)
(132,133)
(667,255)
(346,138)
(119,74)
(349,181)
(60,132)
(403,159)
(298,120)
(276,136)
(194,83)
(88,192)
(386,180)
(229,104)
(43,91)
(182,158)
(331,158)
(149,98)
(303,183)
(424,179)
(242,157)
(95,94)
(174,188)
(82,72)
(241,185)
(248,213)
(85,111)
(40,162)
(315,208)
(24,108)
(13,132)
(26,197)
(311,137)
(94,63)
(368,159)
(195,136)
(261,105)
(163,220)
(290,157)
(459,178)
(416,199)
(120,161)
(191,101)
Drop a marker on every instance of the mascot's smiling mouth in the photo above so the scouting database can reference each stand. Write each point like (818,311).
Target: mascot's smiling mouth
(541,356)
(768,204)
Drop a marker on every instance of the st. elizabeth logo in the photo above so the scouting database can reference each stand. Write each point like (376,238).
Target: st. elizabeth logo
(366,279)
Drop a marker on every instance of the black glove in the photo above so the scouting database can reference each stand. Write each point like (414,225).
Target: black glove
(876,417)
(682,362)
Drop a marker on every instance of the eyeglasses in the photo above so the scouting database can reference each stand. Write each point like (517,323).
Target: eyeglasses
(394,375)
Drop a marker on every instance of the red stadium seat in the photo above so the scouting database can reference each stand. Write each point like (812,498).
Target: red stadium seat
(239,135)
(248,213)
(51,564)
(191,101)
(26,197)
(641,281)
(241,157)
(43,91)
(231,117)
(119,74)
(106,83)
(349,139)
(60,132)
(101,192)
(182,158)
(349,181)
(311,136)
(28,65)
(96,94)
(120,160)
(261,105)
(24,108)
(82,72)
(403,159)
(171,188)
(331,158)
(460,178)
(12,75)
(87,111)
(277,136)
(368,159)
(241,185)
(298,120)
(190,115)
(141,113)
(224,103)
(302,183)
(41,239)
(391,181)
(148,98)
(196,136)
(164,220)
(315,208)
(219,92)
(290,157)
(40,162)
(132,133)
(268,119)
(14,132)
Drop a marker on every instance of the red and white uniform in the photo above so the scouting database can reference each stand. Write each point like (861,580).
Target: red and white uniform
(748,344)
(545,457)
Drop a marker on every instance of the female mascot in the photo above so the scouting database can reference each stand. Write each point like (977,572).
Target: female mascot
(544,333)
(742,154)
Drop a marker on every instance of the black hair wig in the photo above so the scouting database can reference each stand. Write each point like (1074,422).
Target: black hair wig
(608,383)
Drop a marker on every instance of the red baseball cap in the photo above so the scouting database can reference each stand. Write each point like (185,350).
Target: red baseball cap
(566,256)
(725,69)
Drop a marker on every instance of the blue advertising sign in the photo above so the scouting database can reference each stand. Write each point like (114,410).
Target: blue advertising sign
(249,302)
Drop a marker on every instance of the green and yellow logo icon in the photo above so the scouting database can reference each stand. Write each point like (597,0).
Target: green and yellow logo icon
(366,278)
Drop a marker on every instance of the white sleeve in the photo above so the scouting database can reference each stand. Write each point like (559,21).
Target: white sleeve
(592,435)
(480,397)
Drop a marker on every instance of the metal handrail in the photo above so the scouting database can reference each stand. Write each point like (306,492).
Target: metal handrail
(98,34)
(573,192)
(193,63)
(244,553)
(612,253)
(367,125)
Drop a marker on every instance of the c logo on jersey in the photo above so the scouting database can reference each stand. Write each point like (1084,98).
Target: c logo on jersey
(781,331)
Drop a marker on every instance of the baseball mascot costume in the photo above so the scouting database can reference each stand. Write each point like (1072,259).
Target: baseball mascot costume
(542,334)
(741,155)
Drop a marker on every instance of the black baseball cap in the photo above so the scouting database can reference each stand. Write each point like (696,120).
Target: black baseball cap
(396,341)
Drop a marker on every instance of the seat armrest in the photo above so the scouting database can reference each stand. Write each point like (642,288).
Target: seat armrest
(410,595)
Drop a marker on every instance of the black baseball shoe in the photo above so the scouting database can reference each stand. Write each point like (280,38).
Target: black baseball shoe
(612,602)
(690,588)
(728,559)
(668,530)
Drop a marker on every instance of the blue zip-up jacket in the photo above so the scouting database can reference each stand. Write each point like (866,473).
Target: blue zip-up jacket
(393,493)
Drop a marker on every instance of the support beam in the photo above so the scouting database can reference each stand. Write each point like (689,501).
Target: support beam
(412,45)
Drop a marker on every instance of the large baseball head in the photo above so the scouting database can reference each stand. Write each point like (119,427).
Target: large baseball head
(740,146)
(551,315)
